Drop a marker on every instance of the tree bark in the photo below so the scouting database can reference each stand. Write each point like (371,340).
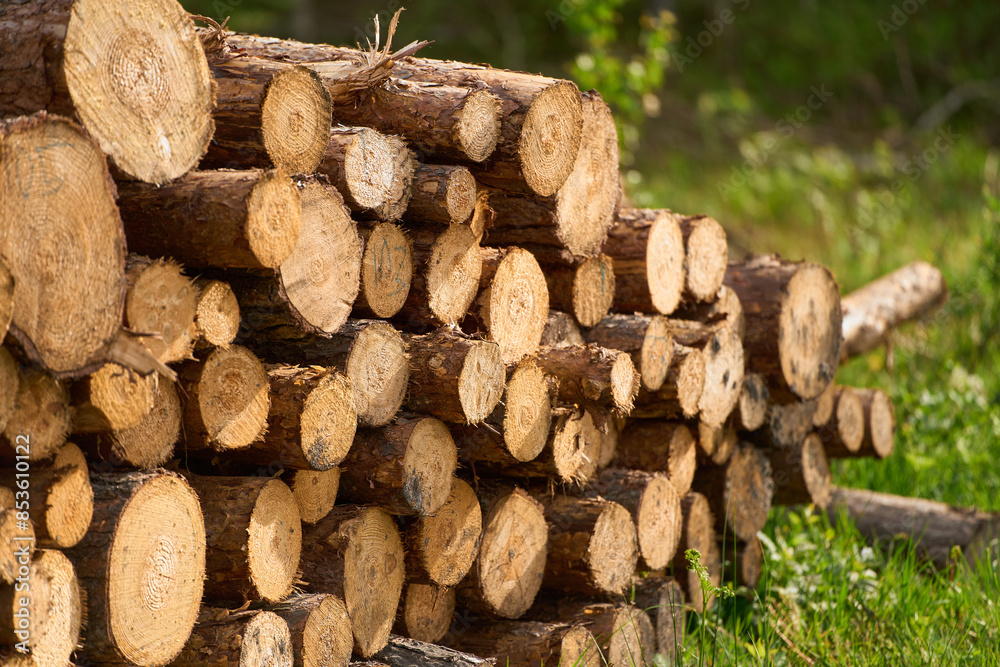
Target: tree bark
(739,493)
(529,643)
(441,548)
(373,171)
(561,329)
(659,446)
(647,246)
(386,271)
(222,638)
(801,473)
(442,195)
(160,305)
(405,652)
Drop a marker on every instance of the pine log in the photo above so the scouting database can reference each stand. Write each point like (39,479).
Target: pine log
(40,421)
(63,247)
(787,425)
(659,446)
(873,311)
(653,503)
(386,271)
(561,329)
(823,406)
(801,473)
(315,492)
(227,399)
(428,610)
(844,432)
(706,253)
(160,305)
(793,324)
(647,246)
(726,442)
(751,408)
(507,573)
(584,286)
(663,599)
(268,114)
(406,652)
(442,548)
(446,275)
(880,423)
(935,528)
(141,567)
(149,443)
(623,633)
(142,89)
(576,217)
(646,338)
(406,467)
(113,398)
(373,171)
(744,561)
(454,377)
(320,629)
(441,194)
(254,537)
(44,610)
(222,638)
(609,440)
(10,380)
(698,533)
(680,392)
(17,537)
(356,553)
(513,303)
(592,376)
(314,288)
(724,311)
(217,314)
(739,493)
(528,643)
(722,348)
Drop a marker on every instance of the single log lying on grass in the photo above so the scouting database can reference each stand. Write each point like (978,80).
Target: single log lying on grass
(739,493)
(320,629)
(646,338)
(441,194)
(592,376)
(373,171)
(135,77)
(40,421)
(647,246)
(217,315)
(249,637)
(160,305)
(662,598)
(873,311)
(527,642)
(698,533)
(659,446)
(428,610)
(442,548)
(844,431)
(801,473)
(386,270)
(513,303)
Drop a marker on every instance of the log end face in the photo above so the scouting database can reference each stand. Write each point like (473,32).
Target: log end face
(665,272)
(449,541)
(429,466)
(55,607)
(295,120)
(151,442)
(809,333)
(42,412)
(625,382)
(707,253)
(315,492)
(163,302)
(816,471)
(724,368)
(373,578)
(453,273)
(122,397)
(749,491)
(576,448)
(634,639)
(327,639)
(70,504)
(613,550)
(428,611)
(691,374)
(579,648)
(387,269)
(217,317)
(460,195)
(275,541)
(550,137)
(266,640)
(658,522)
(233,398)
(593,290)
(379,373)
(682,458)
(656,353)
(851,422)
(517,305)
(528,415)
(481,381)
(479,127)
(881,426)
(752,405)
(274,218)
(328,422)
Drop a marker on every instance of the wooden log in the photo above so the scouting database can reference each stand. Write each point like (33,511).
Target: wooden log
(935,528)
(507,573)
(141,567)
(228,399)
(267,114)
(646,338)
(10,380)
(534,643)
(17,535)
(63,247)
(315,492)
(680,393)
(706,253)
(659,446)
(356,553)
(663,599)
(40,421)
(454,377)
(320,629)
(787,425)
(143,90)
(583,286)
(148,444)
(406,652)
(576,217)
(647,247)
(442,548)
(227,219)
(726,310)
(801,473)
(844,432)
(314,288)
(722,348)
(880,423)
(873,311)
(217,314)
(623,633)
(406,467)
(592,376)
(428,610)
(441,194)
(654,505)
(113,398)
(739,493)
(373,171)
(251,637)
(743,561)
(513,303)
(561,329)
(698,533)
(793,324)
(160,305)
(43,611)
(446,276)
(823,406)
(751,408)
(725,441)
(609,441)
(386,271)
(254,536)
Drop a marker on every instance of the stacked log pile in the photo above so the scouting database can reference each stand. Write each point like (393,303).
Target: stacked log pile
(381,354)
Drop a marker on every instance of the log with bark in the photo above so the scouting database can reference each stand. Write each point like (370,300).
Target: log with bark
(441,194)
(647,246)
(751,408)
(446,275)
(663,599)
(142,567)
(786,425)
(136,78)
(315,492)
(658,446)
(706,253)
(160,305)
(40,421)
(222,638)
(561,329)
(592,376)
(801,473)
(844,431)
(880,423)
(698,533)
(442,548)
(739,493)
(427,613)
(529,643)
(113,398)
(217,314)
(373,171)
(623,633)
(823,406)
(320,629)
(722,348)
(584,286)
(646,338)
(680,392)
(406,652)
(386,270)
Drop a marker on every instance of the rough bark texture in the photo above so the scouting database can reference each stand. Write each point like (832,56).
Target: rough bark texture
(406,652)
(787,425)
(373,171)
(739,493)
(801,473)
(529,643)
(561,329)
(659,446)
(648,250)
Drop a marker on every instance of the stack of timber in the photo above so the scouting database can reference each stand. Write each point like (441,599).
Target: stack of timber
(321,355)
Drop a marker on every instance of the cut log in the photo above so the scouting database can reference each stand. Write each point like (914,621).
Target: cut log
(592,376)
(529,643)
(254,537)
(442,194)
(793,324)
(17,537)
(663,599)
(577,216)
(561,330)
(706,253)
(624,633)
(442,548)
(823,406)
(160,305)
(135,77)
(446,275)
(454,377)
(356,553)
(428,610)
(653,503)
(680,393)
(726,442)
(40,421)
(113,398)
(445,122)
(315,492)
(373,171)
(787,425)
(386,271)
(406,467)
(141,567)
(726,310)
(739,493)
(314,288)
(646,338)
(722,349)
(320,629)
(880,423)
(44,610)
(268,114)
(10,380)
(228,400)
(222,638)
(751,409)
(801,473)
(698,533)
(146,445)
(227,219)
(582,286)
(406,652)
(647,247)
(935,528)
(507,574)
(609,441)
(844,432)
(873,311)
(514,302)
(744,561)
(659,446)
(62,236)
(217,315)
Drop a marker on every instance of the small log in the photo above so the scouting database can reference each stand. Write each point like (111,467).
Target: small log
(10,380)
(529,643)
(706,253)
(624,634)
(751,409)
(356,553)
(254,537)
(823,406)
(454,377)
(725,310)
(40,421)
(722,349)
(793,324)
(141,567)
(880,423)
(592,376)
(646,338)
(227,219)
(680,393)
(514,301)
(406,652)
(442,548)
(315,492)
(801,473)
(446,275)
(386,271)
(217,315)
(373,171)
(17,537)
(659,446)
(320,629)
(698,533)
(787,425)
(222,638)
(584,286)
(739,493)
(160,305)
(406,467)
(112,398)
(442,194)
(561,330)
(647,247)
(724,441)
(428,610)
(844,432)
(744,561)
(873,311)
(663,599)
